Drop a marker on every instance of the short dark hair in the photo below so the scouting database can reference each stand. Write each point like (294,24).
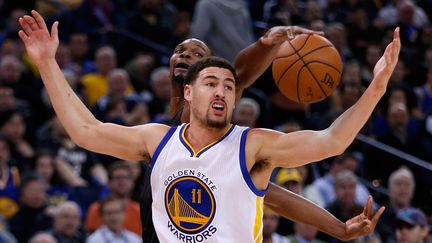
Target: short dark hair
(206,62)
(118,165)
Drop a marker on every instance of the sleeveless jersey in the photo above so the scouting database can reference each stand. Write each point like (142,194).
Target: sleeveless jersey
(206,195)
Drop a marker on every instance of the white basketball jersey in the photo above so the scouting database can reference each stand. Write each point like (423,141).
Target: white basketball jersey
(206,195)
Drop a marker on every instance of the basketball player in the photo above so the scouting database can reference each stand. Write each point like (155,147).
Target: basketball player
(260,54)
(195,177)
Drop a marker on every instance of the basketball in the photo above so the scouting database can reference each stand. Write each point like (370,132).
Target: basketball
(307,68)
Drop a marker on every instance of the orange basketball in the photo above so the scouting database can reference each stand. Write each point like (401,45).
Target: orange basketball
(307,68)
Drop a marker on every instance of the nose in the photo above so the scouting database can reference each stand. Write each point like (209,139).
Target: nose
(185,55)
(220,91)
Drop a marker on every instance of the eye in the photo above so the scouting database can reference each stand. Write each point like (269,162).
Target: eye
(228,87)
(177,51)
(210,85)
(198,54)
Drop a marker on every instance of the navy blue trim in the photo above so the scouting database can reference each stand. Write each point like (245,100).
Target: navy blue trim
(161,146)
(243,166)
(184,142)
(222,138)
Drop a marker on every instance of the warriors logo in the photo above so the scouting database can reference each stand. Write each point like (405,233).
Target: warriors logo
(190,204)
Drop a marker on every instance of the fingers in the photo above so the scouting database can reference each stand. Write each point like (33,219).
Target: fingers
(31,22)
(40,21)
(54,31)
(396,40)
(396,34)
(369,209)
(377,216)
(25,26)
(23,36)
(290,33)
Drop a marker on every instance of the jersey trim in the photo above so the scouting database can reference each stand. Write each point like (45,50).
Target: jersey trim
(243,166)
(258,225)
(161,145)
(189,147)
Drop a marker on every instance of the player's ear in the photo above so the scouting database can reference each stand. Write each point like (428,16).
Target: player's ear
(187,92)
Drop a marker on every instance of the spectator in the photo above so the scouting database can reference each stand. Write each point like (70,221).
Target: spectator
(96,84)
(270,224)
(246,113)
(291,180)
(153,19)
(344,207)
(13,126)
(411,226)
(79,50)
(325,184)
(424,93)
(120,185)
(338,36)
(161,86)
(53,137)
(401,131)
(33,215)
(42,237)
(401,186)
(58,177)
(133,111)
(67,222)
(9,182)
(225,25)
(281,12)
(398,10)
(112,211)
(5,235)
(137,169)
(304,233)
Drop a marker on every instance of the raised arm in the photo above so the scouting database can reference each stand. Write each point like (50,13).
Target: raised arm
(251,62)
(299,148)
(123,142)
(286,204)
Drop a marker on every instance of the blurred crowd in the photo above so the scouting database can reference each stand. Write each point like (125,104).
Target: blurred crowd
(114,54)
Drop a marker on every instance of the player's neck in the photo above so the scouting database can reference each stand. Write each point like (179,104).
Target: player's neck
(200,135)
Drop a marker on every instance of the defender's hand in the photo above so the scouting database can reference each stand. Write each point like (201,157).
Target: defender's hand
(362,224)
(279,34)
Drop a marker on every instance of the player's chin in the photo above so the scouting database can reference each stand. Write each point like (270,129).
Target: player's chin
(217,121)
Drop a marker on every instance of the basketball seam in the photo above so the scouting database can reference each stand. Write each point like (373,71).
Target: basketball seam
(296,52)
(335,68)
(310,71)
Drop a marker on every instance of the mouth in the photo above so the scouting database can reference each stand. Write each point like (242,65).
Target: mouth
(182,66)
(218,107)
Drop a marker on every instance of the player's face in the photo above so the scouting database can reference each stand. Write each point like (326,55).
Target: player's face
(212,97)
(186,54)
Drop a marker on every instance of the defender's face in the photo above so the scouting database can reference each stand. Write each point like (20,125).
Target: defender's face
(212,97)
(186,54)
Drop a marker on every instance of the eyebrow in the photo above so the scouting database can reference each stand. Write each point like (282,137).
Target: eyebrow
(199,46)
(210,76)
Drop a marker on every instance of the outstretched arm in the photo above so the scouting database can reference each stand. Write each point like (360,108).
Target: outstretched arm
(251,62)
(123,142)
(286,204)
(299,148)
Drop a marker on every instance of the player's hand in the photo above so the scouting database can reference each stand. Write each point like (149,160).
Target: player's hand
(387,63)
(279,34)
(39,43)
(362,224)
